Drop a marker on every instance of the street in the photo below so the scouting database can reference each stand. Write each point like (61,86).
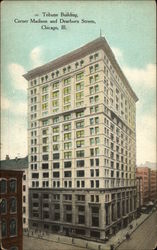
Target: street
(40,244)
(144,237)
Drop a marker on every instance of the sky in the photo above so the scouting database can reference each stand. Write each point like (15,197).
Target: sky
(129,28)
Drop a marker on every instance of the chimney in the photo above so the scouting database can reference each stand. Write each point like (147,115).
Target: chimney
(7,157)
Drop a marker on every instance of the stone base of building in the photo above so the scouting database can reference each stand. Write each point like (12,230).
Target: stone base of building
(96,214)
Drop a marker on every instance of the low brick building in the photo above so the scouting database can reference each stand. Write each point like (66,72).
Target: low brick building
(11,209)
(146,184)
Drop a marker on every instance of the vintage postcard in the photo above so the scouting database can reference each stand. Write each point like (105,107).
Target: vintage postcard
(78,125)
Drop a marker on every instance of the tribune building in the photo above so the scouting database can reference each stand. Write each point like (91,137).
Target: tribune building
(81,144)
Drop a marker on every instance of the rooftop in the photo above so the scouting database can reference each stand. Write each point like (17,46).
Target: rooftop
(93,46)
(14,164)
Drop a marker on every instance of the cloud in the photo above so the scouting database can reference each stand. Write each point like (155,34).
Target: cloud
(16,108)
(5,103)
(13,138)
(143,81)
(36,57)
(140,77)
(144,77)
(146,138)
(16,72)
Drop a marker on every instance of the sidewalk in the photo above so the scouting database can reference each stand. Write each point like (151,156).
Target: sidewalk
(116,240)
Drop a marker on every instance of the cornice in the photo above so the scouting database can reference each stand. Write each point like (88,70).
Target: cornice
(97,44)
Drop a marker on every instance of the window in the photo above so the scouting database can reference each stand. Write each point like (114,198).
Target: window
(45,157)
(56,156)
(13,227)
(79,114)
(80,153)
(55,103)
(79,86)
(45,122)
(67,117)
(67,99)
(35,175)
(3,206)
(45,131)
(3,228)
(55,129)
(80,124)
(45,149)
(67,155)
(55,138)
(91,162)
(67,173)
(80,163)
(79,95)
(67,81)
(79,76)
(44,98)
(67,127)
(56,174)
(81,219)
(44,106)
(97,162)
(45,175)
(67,145)
(97,184)
(56,119)
(45,140)
(55,94)
(44,89)
(80,173)
(3,186)
(67,136)
(80,144)
(13,205)
(55,85)
(12,185)
(14,247)
(92,184)
(67,164)
(56,165)
(80,134)
(67,90)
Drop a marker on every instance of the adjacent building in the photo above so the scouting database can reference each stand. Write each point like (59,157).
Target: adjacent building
(11,209)
(153,185)
(148,184)
(20,164)
(81,144)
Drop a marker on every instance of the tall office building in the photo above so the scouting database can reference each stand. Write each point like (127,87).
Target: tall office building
(81,143)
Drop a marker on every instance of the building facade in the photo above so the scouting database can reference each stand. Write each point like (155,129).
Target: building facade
(20,164)
(153,185)
(81,143)
(11,209)
(148,187)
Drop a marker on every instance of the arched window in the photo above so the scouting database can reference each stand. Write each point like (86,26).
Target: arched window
(13,205)
(13,227)
(14,248)
(4,228)
(3,206)
(13,185)
(3,186)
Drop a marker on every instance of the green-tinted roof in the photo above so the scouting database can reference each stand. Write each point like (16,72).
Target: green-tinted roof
(14,164)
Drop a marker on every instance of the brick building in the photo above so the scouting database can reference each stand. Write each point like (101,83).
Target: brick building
(153,185)
(148,185)
(11,209)
(20,164)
